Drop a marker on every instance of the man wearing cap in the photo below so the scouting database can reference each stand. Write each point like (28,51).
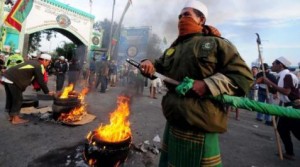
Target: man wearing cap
(14,59)
(215,66)
(287,87)
(17,78)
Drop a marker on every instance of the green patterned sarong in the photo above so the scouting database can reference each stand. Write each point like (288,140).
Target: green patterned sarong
(184,148)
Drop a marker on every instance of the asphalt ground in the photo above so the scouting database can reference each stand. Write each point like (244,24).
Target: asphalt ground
(42,143)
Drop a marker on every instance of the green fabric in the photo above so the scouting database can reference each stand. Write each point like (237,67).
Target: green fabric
(186,148)
(185,86)
(211,156)
(23,10)
(252,105)
(200,57)
(19,13)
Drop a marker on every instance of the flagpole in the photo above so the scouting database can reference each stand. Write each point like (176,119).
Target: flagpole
(91,4)
(111,29)
(117,31)
(258,41)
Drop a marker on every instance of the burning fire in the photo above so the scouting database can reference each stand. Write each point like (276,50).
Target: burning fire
(119,127)
(77,113)
(66,91)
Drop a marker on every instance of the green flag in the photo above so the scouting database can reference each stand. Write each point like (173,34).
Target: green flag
(19,13)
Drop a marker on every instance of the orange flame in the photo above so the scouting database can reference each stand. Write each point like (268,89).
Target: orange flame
(119,127)
(84,91)
(77,113)
(66,91)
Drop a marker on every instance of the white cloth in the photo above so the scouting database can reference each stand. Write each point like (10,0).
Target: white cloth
(282,75)
(3,79)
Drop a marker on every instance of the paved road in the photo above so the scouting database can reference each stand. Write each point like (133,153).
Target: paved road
(45,143)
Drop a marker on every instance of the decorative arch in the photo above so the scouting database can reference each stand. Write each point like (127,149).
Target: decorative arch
(75,24)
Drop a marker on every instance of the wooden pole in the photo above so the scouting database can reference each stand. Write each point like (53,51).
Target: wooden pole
(268,98)
(111,30)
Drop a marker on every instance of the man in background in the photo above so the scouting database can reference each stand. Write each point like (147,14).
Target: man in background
(289,96)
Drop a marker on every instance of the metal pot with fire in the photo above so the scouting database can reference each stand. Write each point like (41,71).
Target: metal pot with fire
(109,145)
(69,105)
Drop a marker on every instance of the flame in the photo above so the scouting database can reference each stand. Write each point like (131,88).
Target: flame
(92,162)
(84,91)
(66,91)
(119,127)
(77,113)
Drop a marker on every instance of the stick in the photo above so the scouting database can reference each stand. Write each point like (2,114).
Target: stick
(268,99)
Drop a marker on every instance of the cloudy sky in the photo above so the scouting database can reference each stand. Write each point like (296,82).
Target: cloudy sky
(276,21)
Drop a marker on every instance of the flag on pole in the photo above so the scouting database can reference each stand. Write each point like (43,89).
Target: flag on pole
(19,13)
(116,34)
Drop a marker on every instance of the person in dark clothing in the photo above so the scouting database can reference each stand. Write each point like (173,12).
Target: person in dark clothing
(113,73)
(17,78)
(60,68)
(92,73)
(74,72)
(102,75)
(289,96)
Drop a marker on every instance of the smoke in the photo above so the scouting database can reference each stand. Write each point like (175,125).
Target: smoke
(236,20)
(162,16)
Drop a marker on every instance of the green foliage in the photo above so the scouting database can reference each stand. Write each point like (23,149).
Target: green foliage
(35,39)
(67,50)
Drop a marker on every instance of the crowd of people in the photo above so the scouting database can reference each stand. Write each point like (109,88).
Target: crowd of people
(102,74)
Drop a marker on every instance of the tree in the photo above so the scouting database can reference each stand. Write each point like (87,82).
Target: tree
(35,39)
(67,50)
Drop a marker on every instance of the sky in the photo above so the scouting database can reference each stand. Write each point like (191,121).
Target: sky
(276,21)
